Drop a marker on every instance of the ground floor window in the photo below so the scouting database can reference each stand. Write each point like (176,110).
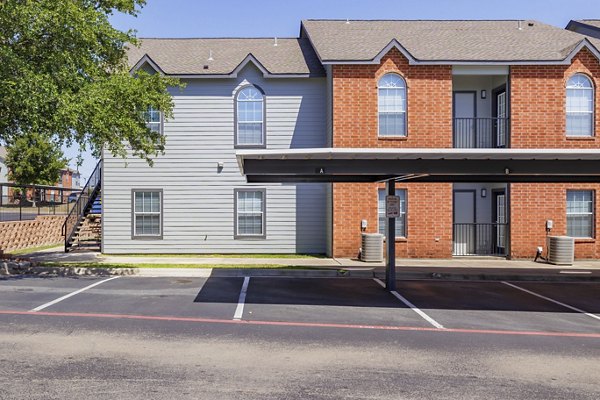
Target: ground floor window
(400,221)
(580,213)
(250,213)
(147,213)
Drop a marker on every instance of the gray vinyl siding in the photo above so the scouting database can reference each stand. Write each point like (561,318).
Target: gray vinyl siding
(198,198)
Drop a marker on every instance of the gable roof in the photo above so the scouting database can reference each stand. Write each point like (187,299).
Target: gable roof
(590,22)
(188,57)
(437,41)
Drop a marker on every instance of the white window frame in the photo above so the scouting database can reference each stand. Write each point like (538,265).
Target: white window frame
(156,126)
(571,87)
(237,214)
(135,214)
(591,214)
(403,111)
(262,101)
(403,213)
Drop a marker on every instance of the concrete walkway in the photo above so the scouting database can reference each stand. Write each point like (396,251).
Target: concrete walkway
(84,256)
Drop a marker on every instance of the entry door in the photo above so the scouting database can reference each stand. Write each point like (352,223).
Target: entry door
(464,120)
(464,222)
(500,112)
(499,209)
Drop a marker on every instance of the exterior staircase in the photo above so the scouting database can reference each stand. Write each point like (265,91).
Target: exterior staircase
(83,225)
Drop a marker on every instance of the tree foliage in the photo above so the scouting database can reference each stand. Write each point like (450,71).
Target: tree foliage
(64,77)
(33,159)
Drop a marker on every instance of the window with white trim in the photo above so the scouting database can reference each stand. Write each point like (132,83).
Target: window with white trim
(392,105)
(580,106)
(154,119)
(250,130)
(400,221)
(580,213)
(250,213)
(147,213)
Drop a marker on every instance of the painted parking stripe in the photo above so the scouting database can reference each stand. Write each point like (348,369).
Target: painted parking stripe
(39,308)
(552,300)
(239,311)
(412,306)
(296,324)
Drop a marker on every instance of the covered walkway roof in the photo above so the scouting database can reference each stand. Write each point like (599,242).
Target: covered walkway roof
(420,165)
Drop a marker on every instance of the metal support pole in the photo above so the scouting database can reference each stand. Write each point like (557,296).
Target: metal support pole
(390,230)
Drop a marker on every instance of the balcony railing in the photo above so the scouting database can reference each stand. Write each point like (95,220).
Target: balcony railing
(480,239)
(480,133)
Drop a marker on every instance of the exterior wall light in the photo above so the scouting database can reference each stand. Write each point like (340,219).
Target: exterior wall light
(483,192)
(484,94)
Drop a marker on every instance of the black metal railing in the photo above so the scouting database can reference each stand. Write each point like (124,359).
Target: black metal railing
(480,239)
(26,202)
(82,205)
(481,133)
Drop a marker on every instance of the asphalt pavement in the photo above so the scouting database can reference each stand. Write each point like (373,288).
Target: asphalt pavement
(296,338)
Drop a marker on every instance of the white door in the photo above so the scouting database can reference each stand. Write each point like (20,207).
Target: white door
(464,119)
(464,223)
(501,121)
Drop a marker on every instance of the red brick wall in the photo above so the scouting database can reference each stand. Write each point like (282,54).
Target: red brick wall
(532,205)
(538,120)
(355,124)
(538,103)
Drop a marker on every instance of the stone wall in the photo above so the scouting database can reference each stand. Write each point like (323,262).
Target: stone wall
(44,230)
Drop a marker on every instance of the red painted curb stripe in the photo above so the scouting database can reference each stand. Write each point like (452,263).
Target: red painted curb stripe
(299,324)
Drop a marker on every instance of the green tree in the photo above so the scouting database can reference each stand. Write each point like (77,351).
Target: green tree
(64,77)
(33,159)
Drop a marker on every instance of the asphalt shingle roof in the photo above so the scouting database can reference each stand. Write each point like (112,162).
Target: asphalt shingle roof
(591,22)
(189,56)
(425,40)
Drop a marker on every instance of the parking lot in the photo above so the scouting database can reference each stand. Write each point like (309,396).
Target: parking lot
(456,307)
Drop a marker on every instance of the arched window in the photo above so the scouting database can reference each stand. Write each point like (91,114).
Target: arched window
(580,106)
(250,117)
(392,105)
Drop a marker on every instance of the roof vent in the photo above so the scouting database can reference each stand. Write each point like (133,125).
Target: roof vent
(347,21)
(210,57)
(275,44)
(530,24)
(519,25)
(205,67)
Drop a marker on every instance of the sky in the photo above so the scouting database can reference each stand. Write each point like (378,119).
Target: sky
(281,18)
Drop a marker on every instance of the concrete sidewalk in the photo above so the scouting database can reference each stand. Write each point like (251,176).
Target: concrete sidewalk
(475,268)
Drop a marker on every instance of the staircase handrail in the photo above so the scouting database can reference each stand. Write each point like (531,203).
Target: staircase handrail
(83,202)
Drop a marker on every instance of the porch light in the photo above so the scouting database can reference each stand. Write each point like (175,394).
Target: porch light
(484,94)
(483,192)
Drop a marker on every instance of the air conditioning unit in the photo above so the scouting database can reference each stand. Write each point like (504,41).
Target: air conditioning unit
(561,250)
(372,247)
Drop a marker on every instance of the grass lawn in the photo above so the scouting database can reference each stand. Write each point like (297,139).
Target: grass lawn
(137,265)
(29,250)
(220,255)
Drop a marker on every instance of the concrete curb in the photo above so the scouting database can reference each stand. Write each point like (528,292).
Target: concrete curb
(193,272)
(363,273)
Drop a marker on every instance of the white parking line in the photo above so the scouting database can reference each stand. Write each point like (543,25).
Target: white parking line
(552,300)
(412,306)
(239,311)
(72,294)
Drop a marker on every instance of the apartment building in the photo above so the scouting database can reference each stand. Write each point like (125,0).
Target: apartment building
(364,85)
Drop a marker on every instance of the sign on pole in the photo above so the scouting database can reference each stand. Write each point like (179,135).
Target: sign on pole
(392,206)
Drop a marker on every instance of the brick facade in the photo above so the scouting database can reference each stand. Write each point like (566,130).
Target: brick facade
(355,124)
(538,121)
(537,118)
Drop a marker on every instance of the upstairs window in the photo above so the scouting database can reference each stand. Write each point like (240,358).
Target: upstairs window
(580,106)
(154,119)
(392,105)
(250,112)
